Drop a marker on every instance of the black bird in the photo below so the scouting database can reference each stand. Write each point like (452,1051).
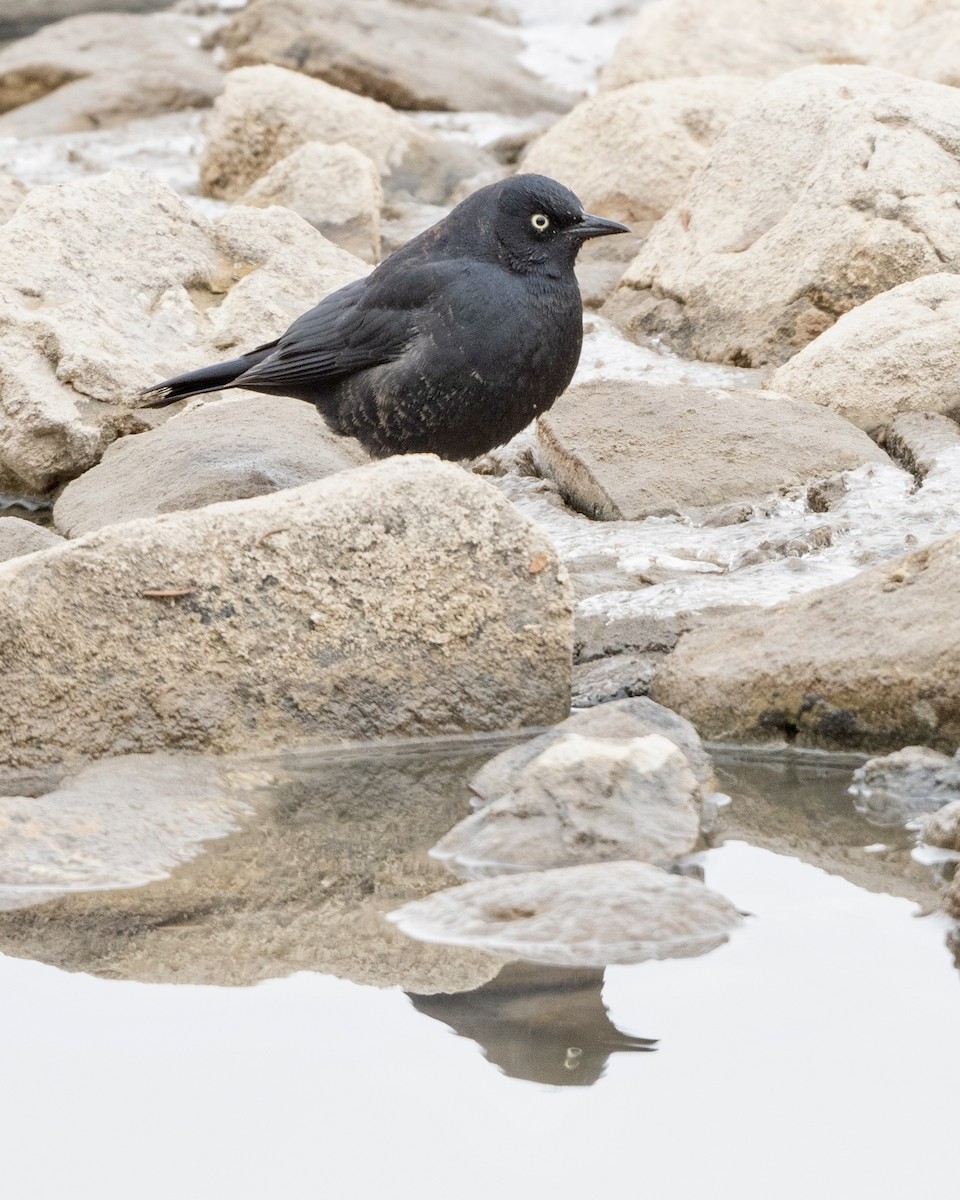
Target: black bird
(452,345)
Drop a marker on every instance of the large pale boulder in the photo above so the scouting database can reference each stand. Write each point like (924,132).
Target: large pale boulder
(629,154)
(12,193)
(231,450)
(334,187)
(741,37)
(834,184)
(109,67)
(267,112)
(405,57)
(622,450)
(873,663)
(406,597)
(897,353)
(81,331)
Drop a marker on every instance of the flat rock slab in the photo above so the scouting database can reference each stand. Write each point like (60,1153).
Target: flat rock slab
(224,450)
(870,664)
(583,800)
(406,597)
(896,354)
(587,916)
(621,450)
(404,57)
(832,185)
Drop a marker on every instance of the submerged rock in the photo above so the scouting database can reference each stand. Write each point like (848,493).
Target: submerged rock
(267,112)
(621,450)
(619,720)
(834,184)
(228,450)
(914,780)
(583,800)
(390,52)
(629,154)
(336,188)
(407,597)
(586,916)
(897,353)
(24,537)
(867,664)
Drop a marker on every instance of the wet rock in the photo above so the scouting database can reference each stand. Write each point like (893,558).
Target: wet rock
(616,677)
(741,37)
(407,597)
(867,664)
(622,450)
(24,537)
(267,112)
(897,353)
(12,193)
(636,717)
(336,188)
(629,154)
(583,800)
(921,442)
(942,828)
(230,450)
(914,780)
(103,69)
(81,333)
(833,185)
(587,916)
(405,57)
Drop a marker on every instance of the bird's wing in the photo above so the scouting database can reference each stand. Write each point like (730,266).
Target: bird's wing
(365,324)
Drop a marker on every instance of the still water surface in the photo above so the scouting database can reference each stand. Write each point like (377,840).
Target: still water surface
(816,1054)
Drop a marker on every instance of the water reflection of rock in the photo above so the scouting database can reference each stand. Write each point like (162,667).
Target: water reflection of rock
(301,885)
(547,1024)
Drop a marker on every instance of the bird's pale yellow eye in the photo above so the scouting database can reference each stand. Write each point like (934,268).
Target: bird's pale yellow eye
(540,222)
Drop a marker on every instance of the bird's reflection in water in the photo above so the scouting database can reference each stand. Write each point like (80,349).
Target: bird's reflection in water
(546,1024)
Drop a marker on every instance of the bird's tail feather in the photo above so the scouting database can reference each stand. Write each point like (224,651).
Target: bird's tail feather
(207,379)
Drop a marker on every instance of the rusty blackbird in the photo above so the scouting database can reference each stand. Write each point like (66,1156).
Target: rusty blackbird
(452,345)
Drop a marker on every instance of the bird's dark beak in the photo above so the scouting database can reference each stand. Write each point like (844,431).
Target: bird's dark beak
(591,227)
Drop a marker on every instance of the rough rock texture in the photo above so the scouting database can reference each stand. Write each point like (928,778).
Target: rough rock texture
(942,828)
(333,187)
(911,781)
(103,69)
(873,663)
(922,442)
(405,57)
(629,154)
(313,859)
(230,450)
(633,718)
(266,112)
(585,916)
(402,598)
(897,353)
(583,800)
(834,184)
(12,193)
(740,37)
(24,537)
(80,333)
(622,450)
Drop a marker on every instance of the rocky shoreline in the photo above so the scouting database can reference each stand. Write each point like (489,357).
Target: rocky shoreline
(746,507)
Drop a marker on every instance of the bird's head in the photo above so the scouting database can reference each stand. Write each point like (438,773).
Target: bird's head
(536,224)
